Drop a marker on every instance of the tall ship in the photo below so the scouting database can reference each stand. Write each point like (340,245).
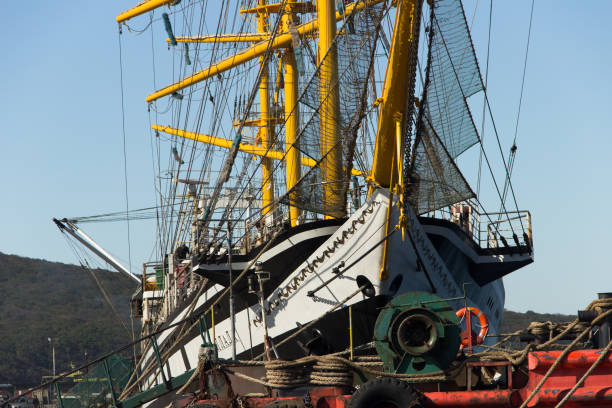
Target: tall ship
(307,173)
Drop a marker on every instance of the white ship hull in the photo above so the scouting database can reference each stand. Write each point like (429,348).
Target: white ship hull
(290,305)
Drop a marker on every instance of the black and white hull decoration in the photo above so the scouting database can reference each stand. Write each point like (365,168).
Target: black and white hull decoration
(435,256)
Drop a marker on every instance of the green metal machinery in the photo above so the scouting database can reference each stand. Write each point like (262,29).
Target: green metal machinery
(417,333)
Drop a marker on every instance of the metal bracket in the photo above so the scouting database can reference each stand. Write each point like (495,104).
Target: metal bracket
(159,362)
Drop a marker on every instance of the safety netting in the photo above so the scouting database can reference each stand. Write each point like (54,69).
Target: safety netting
(454,77)
(322,188)
(445,127)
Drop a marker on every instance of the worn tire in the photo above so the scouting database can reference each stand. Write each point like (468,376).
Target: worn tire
(385,392)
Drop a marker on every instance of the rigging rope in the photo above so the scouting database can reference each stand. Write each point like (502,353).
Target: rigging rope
(82,258)
(168,352)
(234,150)
(513,148)
(217,108)
(480,140)
(155,148)
(484,106)
(241,173)
(125,172)
(370,364)
(421,118)
(279,163)
(190,317)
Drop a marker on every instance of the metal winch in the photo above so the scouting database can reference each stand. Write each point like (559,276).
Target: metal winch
(417,332)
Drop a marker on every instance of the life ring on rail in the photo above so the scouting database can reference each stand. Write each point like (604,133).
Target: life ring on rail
(484,324)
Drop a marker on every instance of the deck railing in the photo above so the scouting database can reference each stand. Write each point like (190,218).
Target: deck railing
(489,230)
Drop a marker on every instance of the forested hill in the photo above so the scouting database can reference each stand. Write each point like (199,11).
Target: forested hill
(41,299)
(513,321)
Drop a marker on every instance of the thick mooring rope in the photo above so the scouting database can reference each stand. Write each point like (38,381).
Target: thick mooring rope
(335,370)
(517,357)
(332,370)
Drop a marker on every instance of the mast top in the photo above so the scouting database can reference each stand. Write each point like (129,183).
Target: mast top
(142,8)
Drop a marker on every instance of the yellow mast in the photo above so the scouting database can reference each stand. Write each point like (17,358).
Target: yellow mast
(223,38)
(325,26)
(329,109)
(142,8)
(265,130)
(291,120)
(245,148)
(393,103)
(282,40)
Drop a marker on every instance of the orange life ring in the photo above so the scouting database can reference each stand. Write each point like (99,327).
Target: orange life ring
(484,324)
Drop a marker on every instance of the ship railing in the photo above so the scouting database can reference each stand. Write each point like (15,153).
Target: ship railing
(512,228)
(258,228)
(153,285)
(275,114)
(165,288)
(242,235)
(253,113)
(489,229)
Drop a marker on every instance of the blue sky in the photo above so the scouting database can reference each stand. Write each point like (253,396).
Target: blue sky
(62,144)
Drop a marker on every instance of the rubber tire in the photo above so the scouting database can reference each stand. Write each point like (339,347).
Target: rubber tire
(385,392)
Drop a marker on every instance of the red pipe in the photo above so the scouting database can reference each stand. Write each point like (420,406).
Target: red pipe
(482,399)
(542,360)
(582,396)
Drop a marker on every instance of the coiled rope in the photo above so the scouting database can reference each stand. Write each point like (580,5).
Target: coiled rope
(333,370)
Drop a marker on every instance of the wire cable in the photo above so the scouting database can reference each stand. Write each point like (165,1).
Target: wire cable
(504,210)
(513,148)
(484,105)
(125,172)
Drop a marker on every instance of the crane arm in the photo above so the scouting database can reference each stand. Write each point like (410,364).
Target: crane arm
(67,226)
